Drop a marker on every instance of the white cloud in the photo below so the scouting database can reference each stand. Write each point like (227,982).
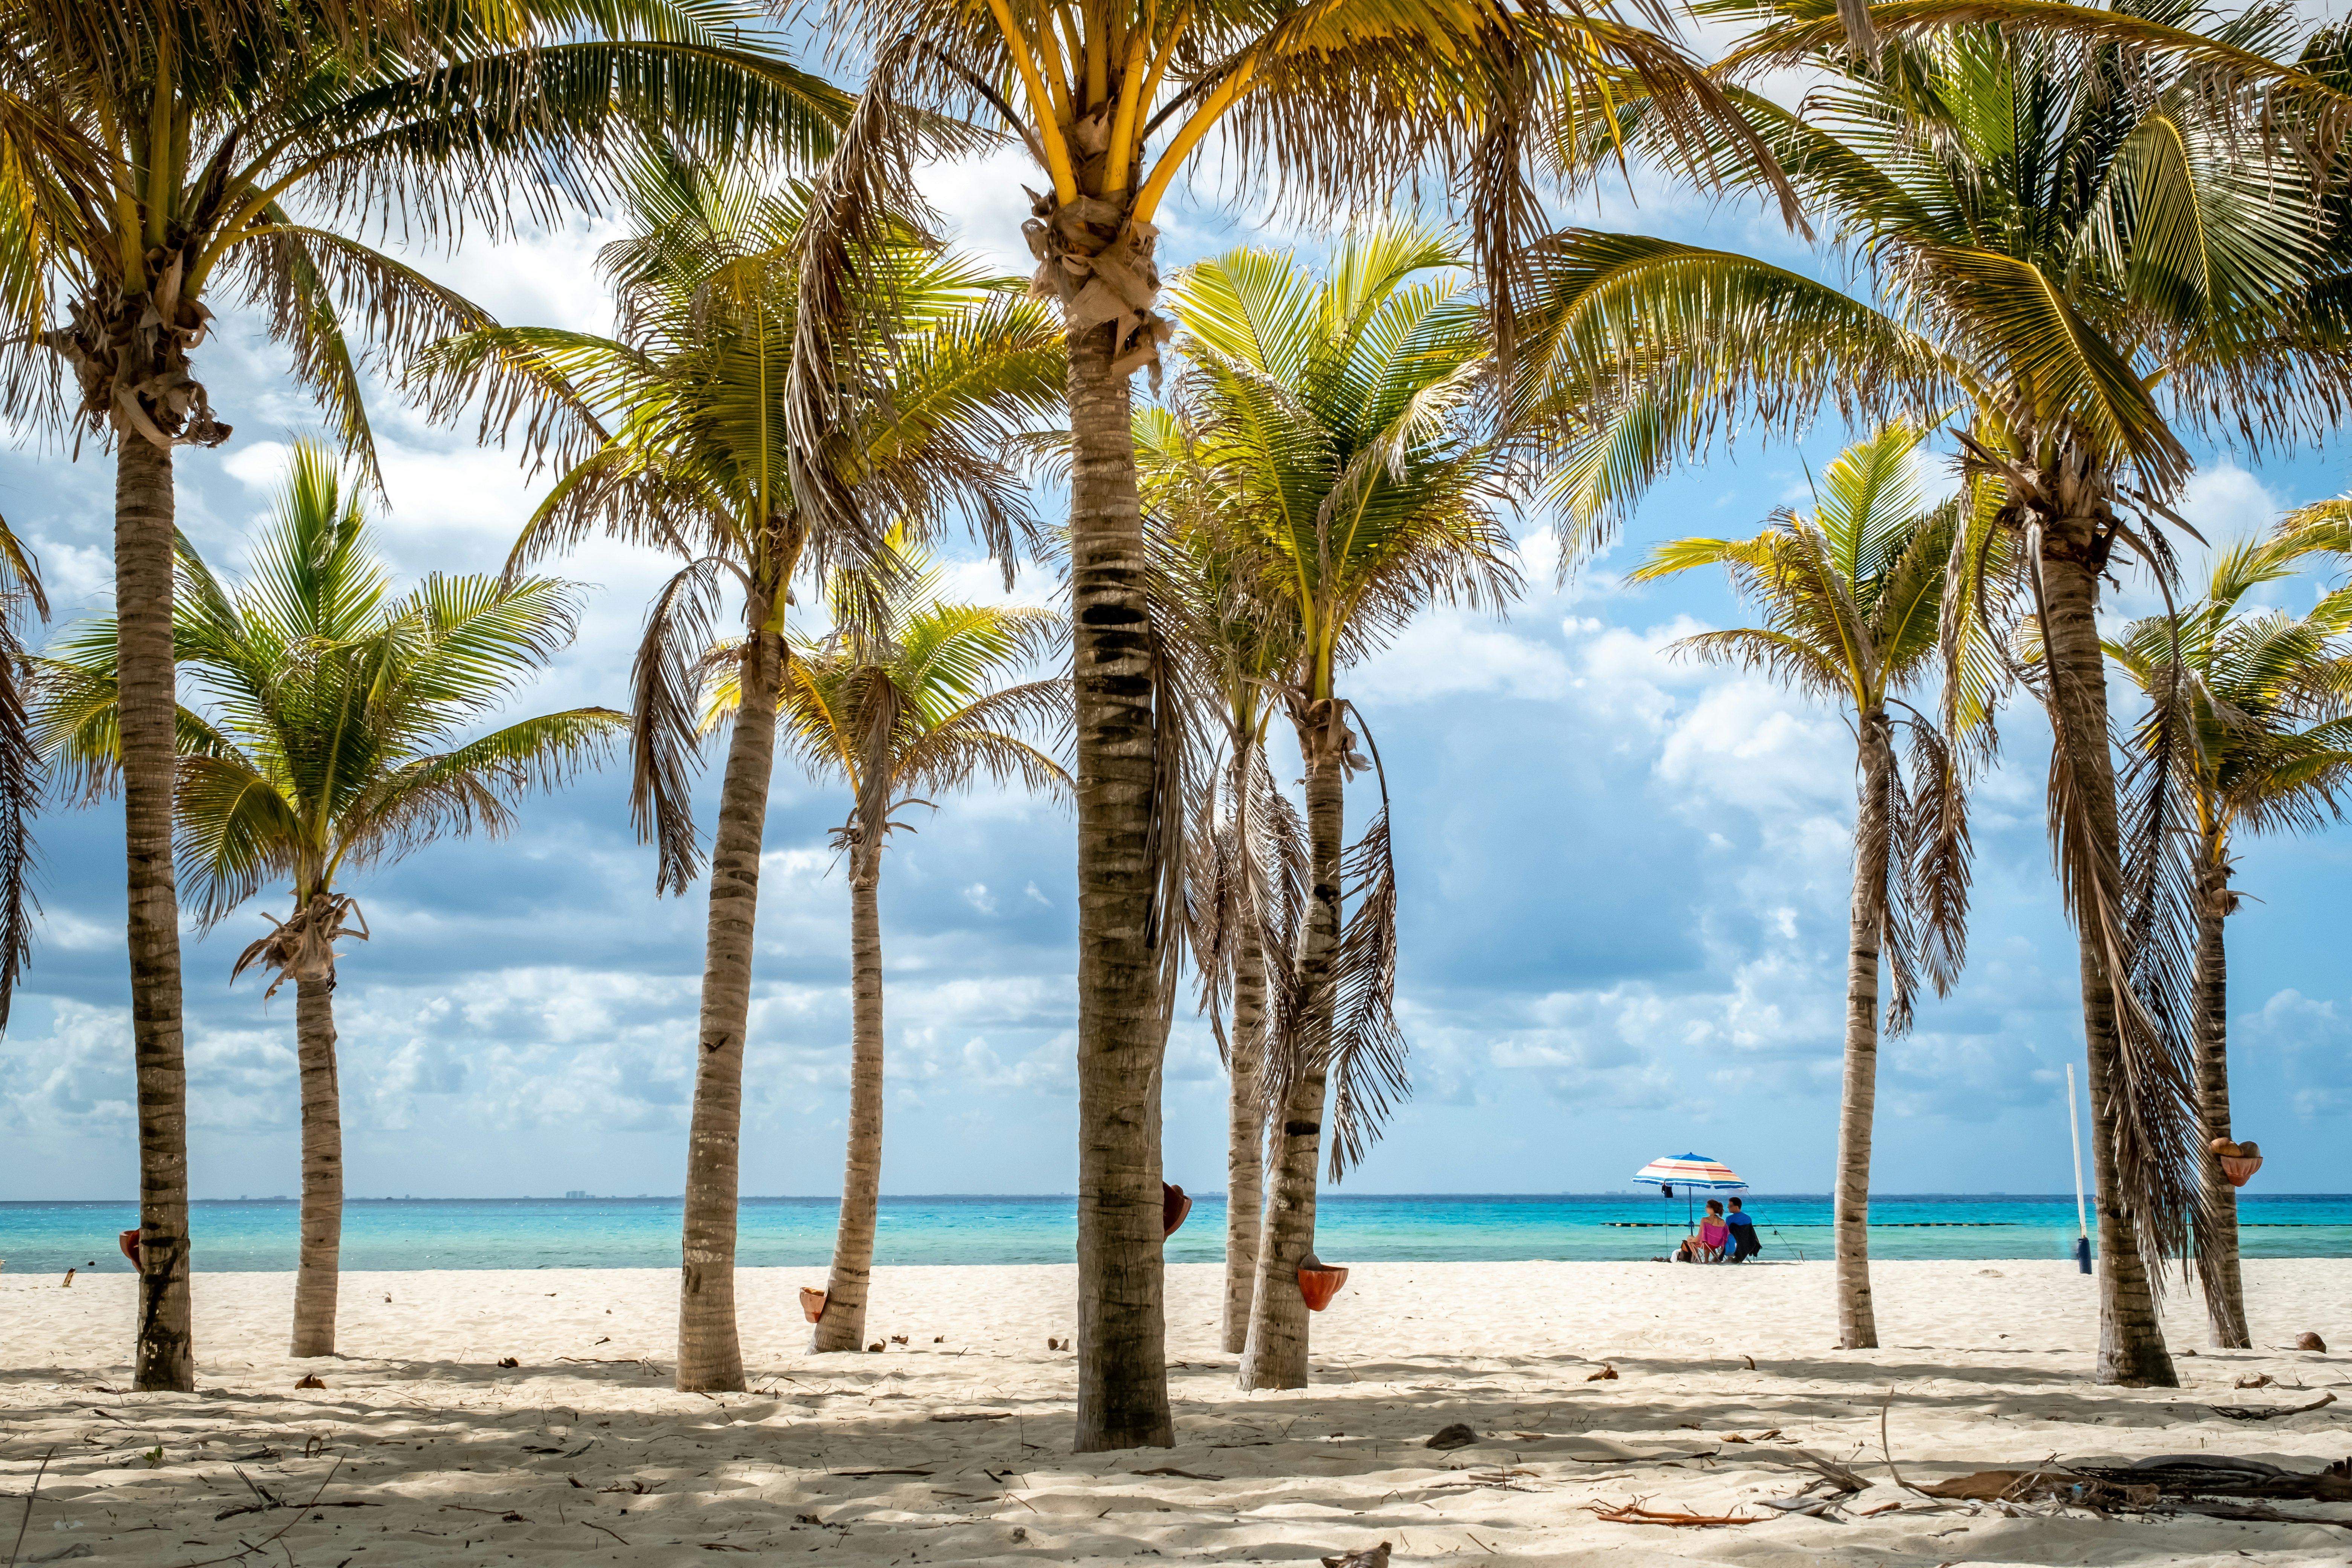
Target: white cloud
(1447,653)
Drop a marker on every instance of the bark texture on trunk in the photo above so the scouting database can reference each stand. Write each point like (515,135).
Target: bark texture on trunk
(710,1355)
(317,1273)
(1277,1354)
(1857,1316)
(144,516)
(1244,1133)
(2131,1341)
(2216,1264)
(843,1326)
(1122,1330)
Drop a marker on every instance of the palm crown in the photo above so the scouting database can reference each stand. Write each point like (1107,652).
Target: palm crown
(2076,240)
(153,150)
(326,726)
(1340,419)
(2268,694)
(680,434)
(1852,594)
(1852,591)
(902,695)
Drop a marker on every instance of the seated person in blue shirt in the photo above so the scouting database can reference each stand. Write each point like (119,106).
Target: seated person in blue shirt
(1744,1245)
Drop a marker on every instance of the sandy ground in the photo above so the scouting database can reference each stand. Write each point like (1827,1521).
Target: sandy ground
(954,1446)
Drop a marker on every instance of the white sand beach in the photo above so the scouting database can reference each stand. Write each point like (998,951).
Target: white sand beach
(953,1445)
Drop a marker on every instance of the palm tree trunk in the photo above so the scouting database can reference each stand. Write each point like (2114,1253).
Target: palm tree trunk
(2131,1341)
(316,1274)
(1276,1356)
(144,518)
(843,1326)
(1122,1330)
(709,1356)
(1244,1133)
(2217,1261)
(1857,1318)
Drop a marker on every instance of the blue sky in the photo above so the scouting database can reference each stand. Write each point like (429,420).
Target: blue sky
(1623,877)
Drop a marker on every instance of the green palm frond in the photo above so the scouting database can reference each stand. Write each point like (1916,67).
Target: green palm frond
(234,830)
(326,719)
(1639,351)
(474,786)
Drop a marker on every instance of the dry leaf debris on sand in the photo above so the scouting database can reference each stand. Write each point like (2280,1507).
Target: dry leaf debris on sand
(951,1445)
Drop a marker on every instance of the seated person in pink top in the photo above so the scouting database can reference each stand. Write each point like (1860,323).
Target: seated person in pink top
(1714,1235)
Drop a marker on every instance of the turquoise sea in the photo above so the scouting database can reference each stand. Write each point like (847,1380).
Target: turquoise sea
(643,1232)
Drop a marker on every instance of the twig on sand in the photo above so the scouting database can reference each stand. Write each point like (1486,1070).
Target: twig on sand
(613,1533)
(1830,1470)
(1632,1512)
(269,1540)
(1883,1446)
(27,1521)
(2261,1413)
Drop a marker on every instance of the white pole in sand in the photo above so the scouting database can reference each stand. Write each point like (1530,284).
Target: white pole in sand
(2082,1222)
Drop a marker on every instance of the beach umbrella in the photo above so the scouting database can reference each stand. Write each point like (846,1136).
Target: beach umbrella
(1692,1174)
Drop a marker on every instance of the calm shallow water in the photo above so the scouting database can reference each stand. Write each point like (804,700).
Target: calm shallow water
(643,1232)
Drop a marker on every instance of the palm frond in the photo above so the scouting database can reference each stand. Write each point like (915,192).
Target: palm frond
(664,679)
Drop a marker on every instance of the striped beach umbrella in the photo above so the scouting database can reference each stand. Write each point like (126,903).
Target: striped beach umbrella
(1691,1173)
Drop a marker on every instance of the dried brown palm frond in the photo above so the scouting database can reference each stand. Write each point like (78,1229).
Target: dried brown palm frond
(867,186)
(1216,901)
(21,774)
(666,680)
(875,708)
(2156,809)
(1922,859)
(302,946)
(1367,1051)
(1245,877)
(1934,852)
(1177,784)
(1350,1033)
(1983,601)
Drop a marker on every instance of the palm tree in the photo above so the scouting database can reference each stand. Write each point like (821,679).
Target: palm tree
(684,445)
(157,158)
(1245,866)
(1342,417)
(326,735)
(899,697)
(2076,246)
(2252,711)
(1853,595)
(1331,102)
